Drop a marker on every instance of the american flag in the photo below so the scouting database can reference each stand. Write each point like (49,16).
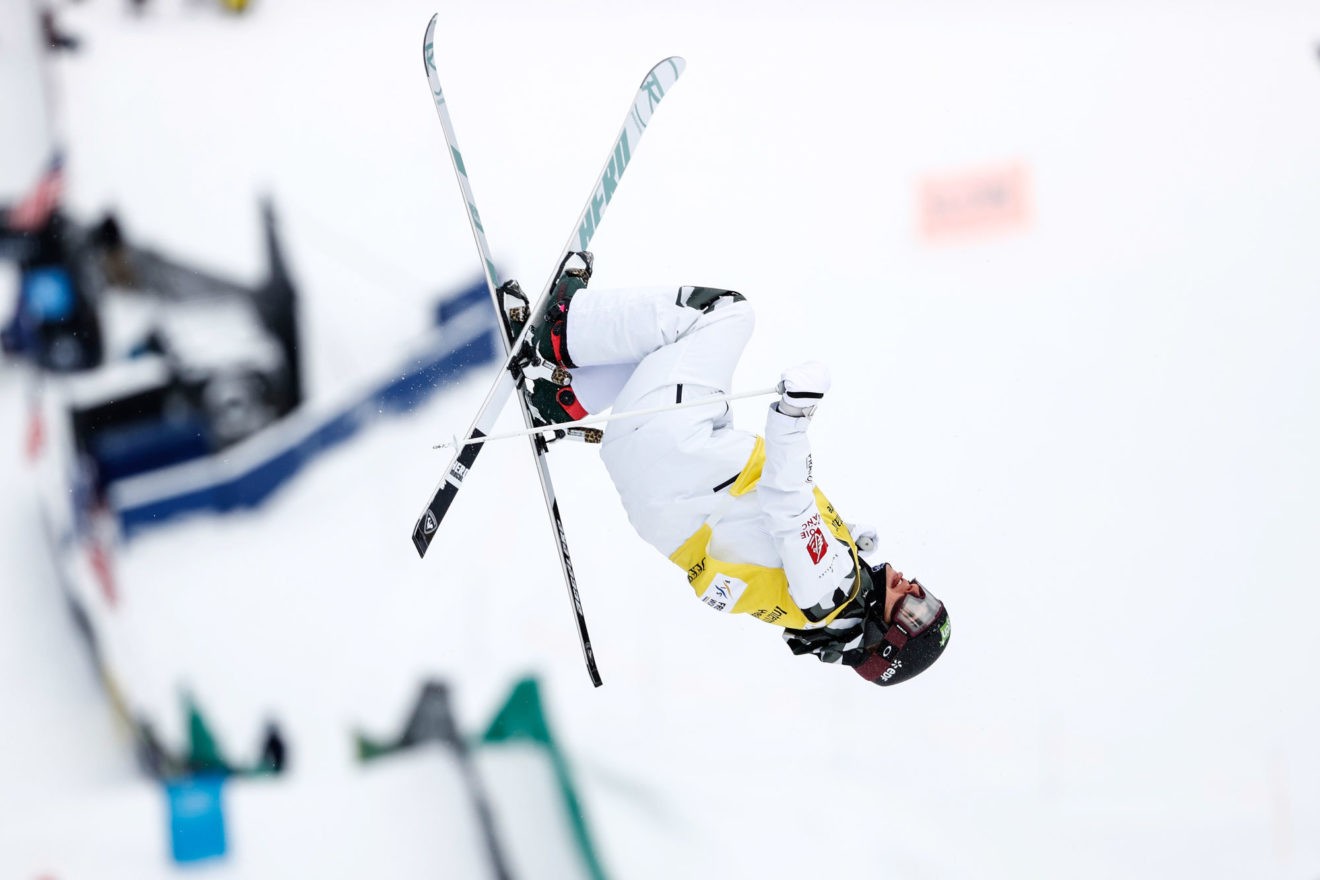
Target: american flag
(34,209)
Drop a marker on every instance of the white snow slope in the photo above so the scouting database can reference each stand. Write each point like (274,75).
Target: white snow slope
(1093,435)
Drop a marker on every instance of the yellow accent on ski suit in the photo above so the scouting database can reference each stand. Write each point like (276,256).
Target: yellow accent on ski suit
(765,595)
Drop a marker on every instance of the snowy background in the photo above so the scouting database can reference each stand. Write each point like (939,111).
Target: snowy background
(1093,434)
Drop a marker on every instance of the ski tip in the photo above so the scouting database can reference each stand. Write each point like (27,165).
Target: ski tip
(665,73)
(428,53)
(675,63)
(421,541)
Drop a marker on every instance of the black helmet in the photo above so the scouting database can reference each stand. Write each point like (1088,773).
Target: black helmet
(913,640)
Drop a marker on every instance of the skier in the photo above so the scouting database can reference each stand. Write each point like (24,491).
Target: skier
(738,512)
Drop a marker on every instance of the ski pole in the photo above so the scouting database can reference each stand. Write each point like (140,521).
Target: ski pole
(607,417)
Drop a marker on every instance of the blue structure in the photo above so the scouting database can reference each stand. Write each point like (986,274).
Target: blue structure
(197,818)
(464,338)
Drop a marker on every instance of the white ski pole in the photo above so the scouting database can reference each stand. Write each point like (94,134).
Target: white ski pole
(607,417)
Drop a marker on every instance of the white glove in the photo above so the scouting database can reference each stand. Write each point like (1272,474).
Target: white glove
(802,387)
(864,537)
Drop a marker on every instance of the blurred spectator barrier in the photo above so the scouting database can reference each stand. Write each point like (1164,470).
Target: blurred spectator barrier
(251,470)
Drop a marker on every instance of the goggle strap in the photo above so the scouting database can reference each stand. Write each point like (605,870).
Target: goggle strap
(879,662)
(873,668)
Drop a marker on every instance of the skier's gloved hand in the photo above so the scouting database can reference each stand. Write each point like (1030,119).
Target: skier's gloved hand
(802,387)
(864,537)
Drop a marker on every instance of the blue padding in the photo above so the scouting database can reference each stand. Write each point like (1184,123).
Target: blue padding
(136,448)
(197,818)
(464,299)
(255,485)
(427,377)
(48,294)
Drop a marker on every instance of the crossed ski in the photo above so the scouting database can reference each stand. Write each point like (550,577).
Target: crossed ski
(655,85)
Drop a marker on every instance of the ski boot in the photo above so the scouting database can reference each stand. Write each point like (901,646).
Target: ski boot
(543,361)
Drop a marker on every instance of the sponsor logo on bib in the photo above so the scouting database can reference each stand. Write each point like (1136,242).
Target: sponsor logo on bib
(816,546)
(814,539)
(723,592)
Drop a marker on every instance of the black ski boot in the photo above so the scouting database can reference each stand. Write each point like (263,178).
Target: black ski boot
(545,361)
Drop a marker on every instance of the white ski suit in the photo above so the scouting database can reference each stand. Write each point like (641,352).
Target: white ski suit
(739,512)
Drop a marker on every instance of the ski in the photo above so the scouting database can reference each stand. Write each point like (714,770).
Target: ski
(649,94)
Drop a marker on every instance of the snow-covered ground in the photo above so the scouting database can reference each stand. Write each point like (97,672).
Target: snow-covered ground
(1093,435)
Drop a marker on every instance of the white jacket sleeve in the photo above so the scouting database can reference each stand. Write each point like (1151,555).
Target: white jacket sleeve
(817,564)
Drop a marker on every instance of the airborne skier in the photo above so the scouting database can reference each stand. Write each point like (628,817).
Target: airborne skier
(739,513)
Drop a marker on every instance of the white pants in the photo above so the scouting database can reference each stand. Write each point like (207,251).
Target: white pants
(642,348)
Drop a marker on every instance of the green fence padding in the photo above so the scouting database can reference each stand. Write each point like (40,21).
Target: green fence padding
(203,750)
(523,718)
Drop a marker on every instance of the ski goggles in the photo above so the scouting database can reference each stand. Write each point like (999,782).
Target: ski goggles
(915,614)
